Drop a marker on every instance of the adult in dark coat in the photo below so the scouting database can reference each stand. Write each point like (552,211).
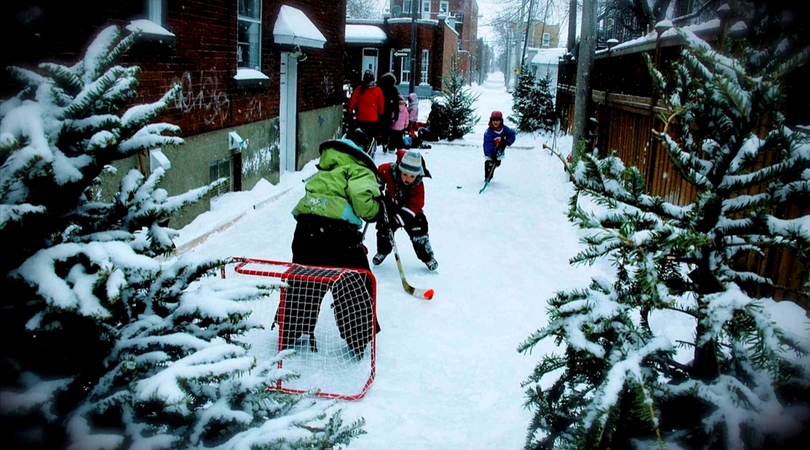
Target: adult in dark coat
(387,83)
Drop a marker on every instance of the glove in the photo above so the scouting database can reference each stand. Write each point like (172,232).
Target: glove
(392,219)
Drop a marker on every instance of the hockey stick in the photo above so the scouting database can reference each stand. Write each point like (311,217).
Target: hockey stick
(426,294)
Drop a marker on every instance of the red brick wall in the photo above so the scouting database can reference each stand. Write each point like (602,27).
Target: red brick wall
(203,58)
(320,77)
(450,50)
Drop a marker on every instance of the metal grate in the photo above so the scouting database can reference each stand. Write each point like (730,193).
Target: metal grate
(222,168)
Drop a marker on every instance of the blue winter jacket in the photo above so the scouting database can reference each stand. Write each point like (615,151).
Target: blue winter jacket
(492,138)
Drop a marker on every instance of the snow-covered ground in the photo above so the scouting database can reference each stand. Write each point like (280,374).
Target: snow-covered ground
(448,373)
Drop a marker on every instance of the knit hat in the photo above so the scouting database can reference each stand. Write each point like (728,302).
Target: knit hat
(496,115)
(411,163)
(368,77)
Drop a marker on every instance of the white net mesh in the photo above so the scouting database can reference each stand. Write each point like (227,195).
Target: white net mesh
(326,315)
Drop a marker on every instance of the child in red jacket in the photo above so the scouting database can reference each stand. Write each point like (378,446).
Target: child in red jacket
(404,198)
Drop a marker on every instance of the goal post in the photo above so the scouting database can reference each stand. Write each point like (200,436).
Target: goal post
(327,315)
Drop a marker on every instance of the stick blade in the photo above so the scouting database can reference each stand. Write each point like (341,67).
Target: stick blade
(425,294)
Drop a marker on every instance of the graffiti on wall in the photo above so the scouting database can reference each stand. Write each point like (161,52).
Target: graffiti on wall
(253,110)
(205,93)
(328,85)
(260,163)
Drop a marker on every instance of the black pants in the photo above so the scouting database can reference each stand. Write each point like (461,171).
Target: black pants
(417,229)
(319,241)
(489,167)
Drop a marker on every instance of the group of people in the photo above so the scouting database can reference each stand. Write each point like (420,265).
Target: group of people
(348,190)
(383,113)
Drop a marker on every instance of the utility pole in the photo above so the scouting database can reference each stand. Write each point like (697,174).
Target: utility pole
(412,81)
(528,27)
(514,49)
(587,47)
(572,25)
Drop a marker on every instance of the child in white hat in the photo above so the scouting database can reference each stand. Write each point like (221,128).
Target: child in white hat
(404,198)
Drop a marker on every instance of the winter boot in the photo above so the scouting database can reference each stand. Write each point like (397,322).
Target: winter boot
(423,250)
(378,259)
(432,264)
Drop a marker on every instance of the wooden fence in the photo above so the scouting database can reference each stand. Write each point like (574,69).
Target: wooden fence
(622,104)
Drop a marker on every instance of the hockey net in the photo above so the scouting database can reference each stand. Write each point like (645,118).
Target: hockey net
(326,315)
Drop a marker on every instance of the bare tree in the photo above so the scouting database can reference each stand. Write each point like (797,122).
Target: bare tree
(638,16)
(363,9)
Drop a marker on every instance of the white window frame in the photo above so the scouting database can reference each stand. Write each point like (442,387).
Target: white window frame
(444,7)
(546,39)
(391,61)
(426,9)
(406,7)
(254,58)
(424,68)
(155,12)
(405,69)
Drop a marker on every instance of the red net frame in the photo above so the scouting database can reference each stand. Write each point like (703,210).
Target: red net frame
(335,366)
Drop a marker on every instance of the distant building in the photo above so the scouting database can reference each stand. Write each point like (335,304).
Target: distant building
(543,35)
(434,47)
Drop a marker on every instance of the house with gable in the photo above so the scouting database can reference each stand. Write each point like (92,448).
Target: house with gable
(261,79)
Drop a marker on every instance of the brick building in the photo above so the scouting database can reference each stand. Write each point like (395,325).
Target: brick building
(544,35)
(241,63)
(446,29)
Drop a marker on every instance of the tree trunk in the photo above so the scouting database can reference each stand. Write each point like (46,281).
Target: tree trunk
(587,47)
(572,25)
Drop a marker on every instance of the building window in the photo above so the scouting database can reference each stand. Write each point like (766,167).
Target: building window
(405,69)
(426,9)
(444,7)
(156,12)
(546,39)
(248,37)
(221,168)
(391,61)
(425,61)
(406,8)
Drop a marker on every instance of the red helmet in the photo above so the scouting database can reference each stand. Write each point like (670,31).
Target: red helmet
(496,115)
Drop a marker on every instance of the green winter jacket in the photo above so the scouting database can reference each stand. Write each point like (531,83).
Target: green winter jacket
(345,186)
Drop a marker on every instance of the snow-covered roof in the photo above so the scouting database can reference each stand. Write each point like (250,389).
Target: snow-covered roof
(149,27)
(548,55)
(364,34)
(294,27)
(243,73)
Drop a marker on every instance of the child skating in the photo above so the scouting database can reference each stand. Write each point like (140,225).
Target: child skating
(404,197)
(497,137)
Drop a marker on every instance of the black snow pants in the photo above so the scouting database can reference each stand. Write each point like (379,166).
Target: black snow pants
(320,241)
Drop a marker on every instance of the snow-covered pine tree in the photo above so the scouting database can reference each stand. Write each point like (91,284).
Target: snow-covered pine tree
(738,381)
(458,99)
(533,107)
(542,96)
(522,111)
(104,346)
